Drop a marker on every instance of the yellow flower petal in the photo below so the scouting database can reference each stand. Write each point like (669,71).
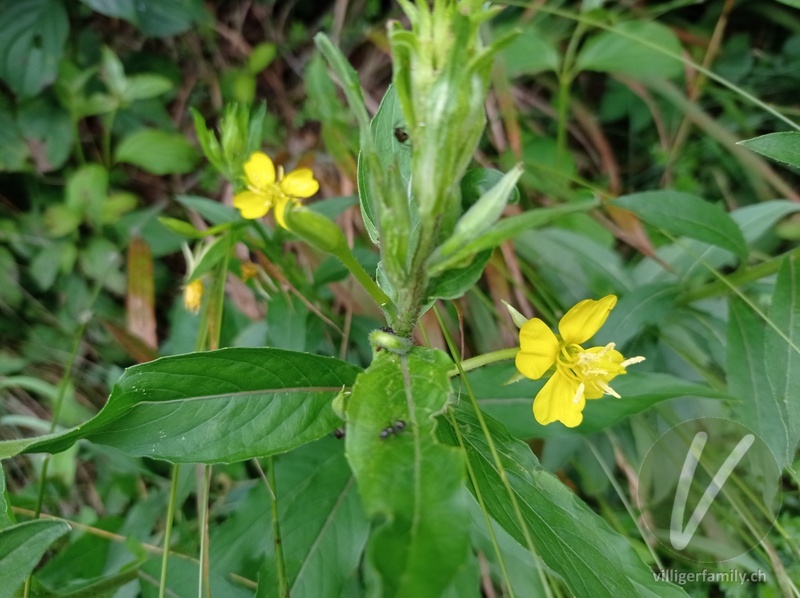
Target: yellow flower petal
(299,183)
(280,209)
(251,205)
(193,296)
(260,171)
(583,321)
(538,349)
(555,402)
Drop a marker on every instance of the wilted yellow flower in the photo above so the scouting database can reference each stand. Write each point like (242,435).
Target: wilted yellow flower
(580,373)
(249,270)
(269,188)
(193,296)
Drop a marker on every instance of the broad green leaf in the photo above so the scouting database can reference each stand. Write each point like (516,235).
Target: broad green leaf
(157,152)
(394,151)
(781,147)
(640,49)
(153,17)
(683,214)
(219,406)
(591,558)
(529,53)
(410,484)
(13,149)
(758,408)
(323,525)
(782,348)
(512,404)
(32,38)
(87,190)
(21,548)
(49,133)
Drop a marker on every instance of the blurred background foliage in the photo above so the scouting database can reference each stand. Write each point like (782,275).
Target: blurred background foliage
(97,143)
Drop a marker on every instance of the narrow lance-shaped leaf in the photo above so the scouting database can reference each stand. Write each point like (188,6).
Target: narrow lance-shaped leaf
(590,557)
(687,215)
(407,480)
(781,147)
(323,525)
(758,408)
(220,406)
(782,348)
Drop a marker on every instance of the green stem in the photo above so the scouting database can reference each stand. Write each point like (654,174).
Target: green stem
(107,139)
(382,299)
(280,564)
(204,582)
(173,498)
(737,279)
(485,359)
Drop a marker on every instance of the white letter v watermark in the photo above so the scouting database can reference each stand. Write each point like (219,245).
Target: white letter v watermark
(680,537)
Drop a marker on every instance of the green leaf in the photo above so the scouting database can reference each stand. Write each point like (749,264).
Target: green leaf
(213,211)
(13,149)
(6,514)
(21,548)
(782,348)
(220,406)
(509,228)
(87,190)
(684,214)
(475,222)
(10,290)
(154,17)
(781,147)
(529,53)
(394,152)
(157,152)
(323,525)
(640,49)
(48,130)
(452,284)
(32,38)
(591,558)
(759,408)
(410,484)
(476,182)
(512,404)
(287,318)
(144,87)
(647,305)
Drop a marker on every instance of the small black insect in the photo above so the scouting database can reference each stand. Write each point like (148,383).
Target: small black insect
(338,433)
(399,426)
(386,432)
(400,134)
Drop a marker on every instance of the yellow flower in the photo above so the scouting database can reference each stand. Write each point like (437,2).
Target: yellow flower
(193,296)
(580,373)
(268,188)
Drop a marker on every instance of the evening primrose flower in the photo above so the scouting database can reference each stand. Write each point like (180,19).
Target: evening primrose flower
(269,188)
(580,373)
